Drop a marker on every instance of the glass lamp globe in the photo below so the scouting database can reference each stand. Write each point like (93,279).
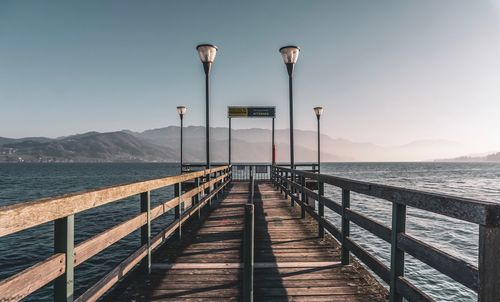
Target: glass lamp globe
(290,54)
(318,111)
(207,52)
(181,110)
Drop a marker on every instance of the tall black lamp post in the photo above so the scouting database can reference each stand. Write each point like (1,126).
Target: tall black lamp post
(318,111)
(207,54)
(229,157)
(181,110)
(321,208)
(290,55)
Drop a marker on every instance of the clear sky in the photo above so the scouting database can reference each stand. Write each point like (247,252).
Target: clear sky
(387,72)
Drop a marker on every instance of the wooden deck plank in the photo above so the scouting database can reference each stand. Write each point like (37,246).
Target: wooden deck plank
(282,235)
(292,263)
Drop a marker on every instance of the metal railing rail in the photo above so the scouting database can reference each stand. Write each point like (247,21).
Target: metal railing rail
(60,266)
(484,279)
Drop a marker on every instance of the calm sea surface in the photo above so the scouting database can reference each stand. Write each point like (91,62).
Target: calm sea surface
(24,182)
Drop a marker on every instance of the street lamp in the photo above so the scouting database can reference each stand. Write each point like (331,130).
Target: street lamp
(207,54)
(181,110)
(318,111)
(290,55)
(321,190)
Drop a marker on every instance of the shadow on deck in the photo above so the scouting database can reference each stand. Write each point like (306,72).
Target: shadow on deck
(291,262)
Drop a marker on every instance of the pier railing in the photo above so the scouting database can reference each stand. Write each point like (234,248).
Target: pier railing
(484,278)
(242,171)
(60,266)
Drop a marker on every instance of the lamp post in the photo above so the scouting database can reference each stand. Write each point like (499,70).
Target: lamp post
(318,111)
(181,110)
(321,208)
(229,158)
(207,54)
(273,151)
(290,55)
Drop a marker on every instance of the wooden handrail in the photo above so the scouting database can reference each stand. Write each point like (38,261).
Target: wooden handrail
(33,213)
(31,279)
(471,210)
(483,278)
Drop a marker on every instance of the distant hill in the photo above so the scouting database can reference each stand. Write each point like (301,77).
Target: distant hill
(162,145)
(494,157)
(88,147)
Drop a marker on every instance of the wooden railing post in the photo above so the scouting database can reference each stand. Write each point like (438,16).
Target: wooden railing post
(219,184)
(146,229)
(397,255)
(178,209)
(197,196)
(281,181)
(489,266)
(208,189)
(248,253)
(252,184)
(321,209)
(346,204)
(64,240)
(303,196)
(216,185)
(272,176)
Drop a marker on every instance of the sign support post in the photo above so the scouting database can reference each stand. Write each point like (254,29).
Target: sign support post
(252,112)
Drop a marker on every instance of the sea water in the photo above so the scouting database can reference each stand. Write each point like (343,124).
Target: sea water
(24,182)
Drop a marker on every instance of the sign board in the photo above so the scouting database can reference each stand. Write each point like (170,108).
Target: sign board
(240,111)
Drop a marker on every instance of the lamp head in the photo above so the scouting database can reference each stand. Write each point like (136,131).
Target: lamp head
(318,111)
(181,110)
(290,54)
(207,52)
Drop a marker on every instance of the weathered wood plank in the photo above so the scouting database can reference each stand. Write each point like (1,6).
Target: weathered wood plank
(31,279)
(457,269)
(103,285)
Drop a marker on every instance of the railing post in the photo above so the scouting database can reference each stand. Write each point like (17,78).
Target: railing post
(252,184)
(276,177)
(303,196)
(321,209)
(346,203)
(146,229)
(281,181)
(397,255)
(178,209)
(197,196)
(64,240)
(208,189)
(248,254)
(219,184)
(489,266)
(216,185)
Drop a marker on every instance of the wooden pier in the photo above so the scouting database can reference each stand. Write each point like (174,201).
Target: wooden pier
(234,238)
(291,262)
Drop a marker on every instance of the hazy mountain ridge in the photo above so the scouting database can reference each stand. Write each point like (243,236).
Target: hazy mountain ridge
(250,145)
(87,147)
(493,157)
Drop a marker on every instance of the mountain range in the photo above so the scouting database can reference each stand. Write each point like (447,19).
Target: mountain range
(493,157)
(248,145)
